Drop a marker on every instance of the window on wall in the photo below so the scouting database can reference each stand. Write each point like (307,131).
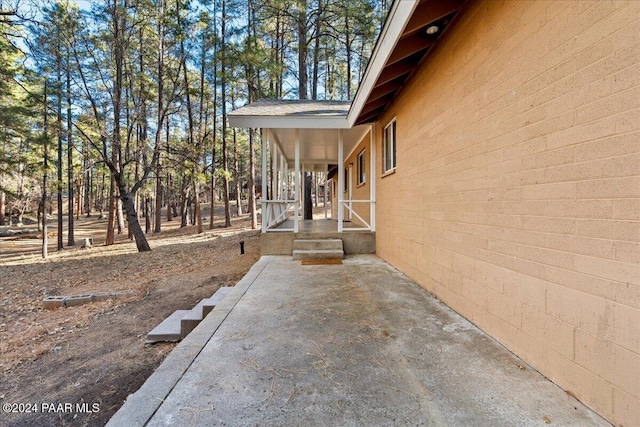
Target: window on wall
(346,179)
(389,148)
(361,168)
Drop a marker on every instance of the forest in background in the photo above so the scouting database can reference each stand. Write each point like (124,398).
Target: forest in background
(118,108)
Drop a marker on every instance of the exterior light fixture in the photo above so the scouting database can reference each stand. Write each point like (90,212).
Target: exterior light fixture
(432,29)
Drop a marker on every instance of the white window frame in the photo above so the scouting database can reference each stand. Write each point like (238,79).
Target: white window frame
(347,177)
(385,160)
(362,168)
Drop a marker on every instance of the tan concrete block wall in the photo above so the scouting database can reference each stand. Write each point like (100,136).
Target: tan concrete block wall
(360,192)
(516,197)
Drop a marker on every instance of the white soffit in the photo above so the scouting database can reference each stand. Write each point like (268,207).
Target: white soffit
(317,146)
(285,122)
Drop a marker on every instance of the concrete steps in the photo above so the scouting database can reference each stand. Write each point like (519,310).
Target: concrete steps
(169,329)
(214,300)
(310,249)
(177,326)
(190,320)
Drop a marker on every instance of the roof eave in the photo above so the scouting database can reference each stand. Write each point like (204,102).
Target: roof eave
(399,16)
(289,122)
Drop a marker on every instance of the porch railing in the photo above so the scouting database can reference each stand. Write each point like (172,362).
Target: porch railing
(348,204)
(275,212)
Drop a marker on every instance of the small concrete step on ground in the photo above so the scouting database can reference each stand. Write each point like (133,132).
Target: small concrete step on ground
(177,326)
(190,320)
(215,300)
(310,249)
(169,329)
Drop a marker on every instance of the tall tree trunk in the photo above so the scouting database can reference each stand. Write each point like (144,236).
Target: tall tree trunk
(301,22)
(111,219)
(170,201)
(223,88)
(161,113)
(88,180)
(191,133)
(132,217)
(117,110)
(348,51)
(126,199)
(78,197)
(212,203)
(70,177)
(184,195)
(252,89)
(201,132)
(45,237)
(3,206)
(196,207)
(147,215)
(308,207)
(120,215)
(316,53)
(136,174)
(170,192)
(59,165)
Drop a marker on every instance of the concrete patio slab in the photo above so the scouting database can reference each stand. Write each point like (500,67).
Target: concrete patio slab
(356,344)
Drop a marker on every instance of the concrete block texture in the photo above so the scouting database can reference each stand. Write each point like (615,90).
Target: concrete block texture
(53,302)
(517,177)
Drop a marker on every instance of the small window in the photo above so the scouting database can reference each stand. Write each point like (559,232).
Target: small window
(346,179)
(361,168)
(389,148)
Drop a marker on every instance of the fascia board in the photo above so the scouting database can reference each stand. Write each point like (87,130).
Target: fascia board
(288,122)
(399,16)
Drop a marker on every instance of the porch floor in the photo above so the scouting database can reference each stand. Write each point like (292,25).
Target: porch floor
(351,344)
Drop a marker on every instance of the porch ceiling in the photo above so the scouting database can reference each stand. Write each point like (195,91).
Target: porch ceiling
(318,122)
(317,146)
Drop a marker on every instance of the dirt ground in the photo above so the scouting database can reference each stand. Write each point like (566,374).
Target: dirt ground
(95,354)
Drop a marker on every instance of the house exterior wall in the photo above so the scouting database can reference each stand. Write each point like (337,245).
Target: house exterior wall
(516,198)
(360,192)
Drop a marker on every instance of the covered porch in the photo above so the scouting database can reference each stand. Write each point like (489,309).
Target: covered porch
(300,136)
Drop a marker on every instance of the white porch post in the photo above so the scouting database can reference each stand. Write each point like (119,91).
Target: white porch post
(349,179)
(276,171)
(283,178)
(326,192)
(303,184)
(287,186)
(275,155)
(296,181)
(263,205)
(340,179)
(372,179)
